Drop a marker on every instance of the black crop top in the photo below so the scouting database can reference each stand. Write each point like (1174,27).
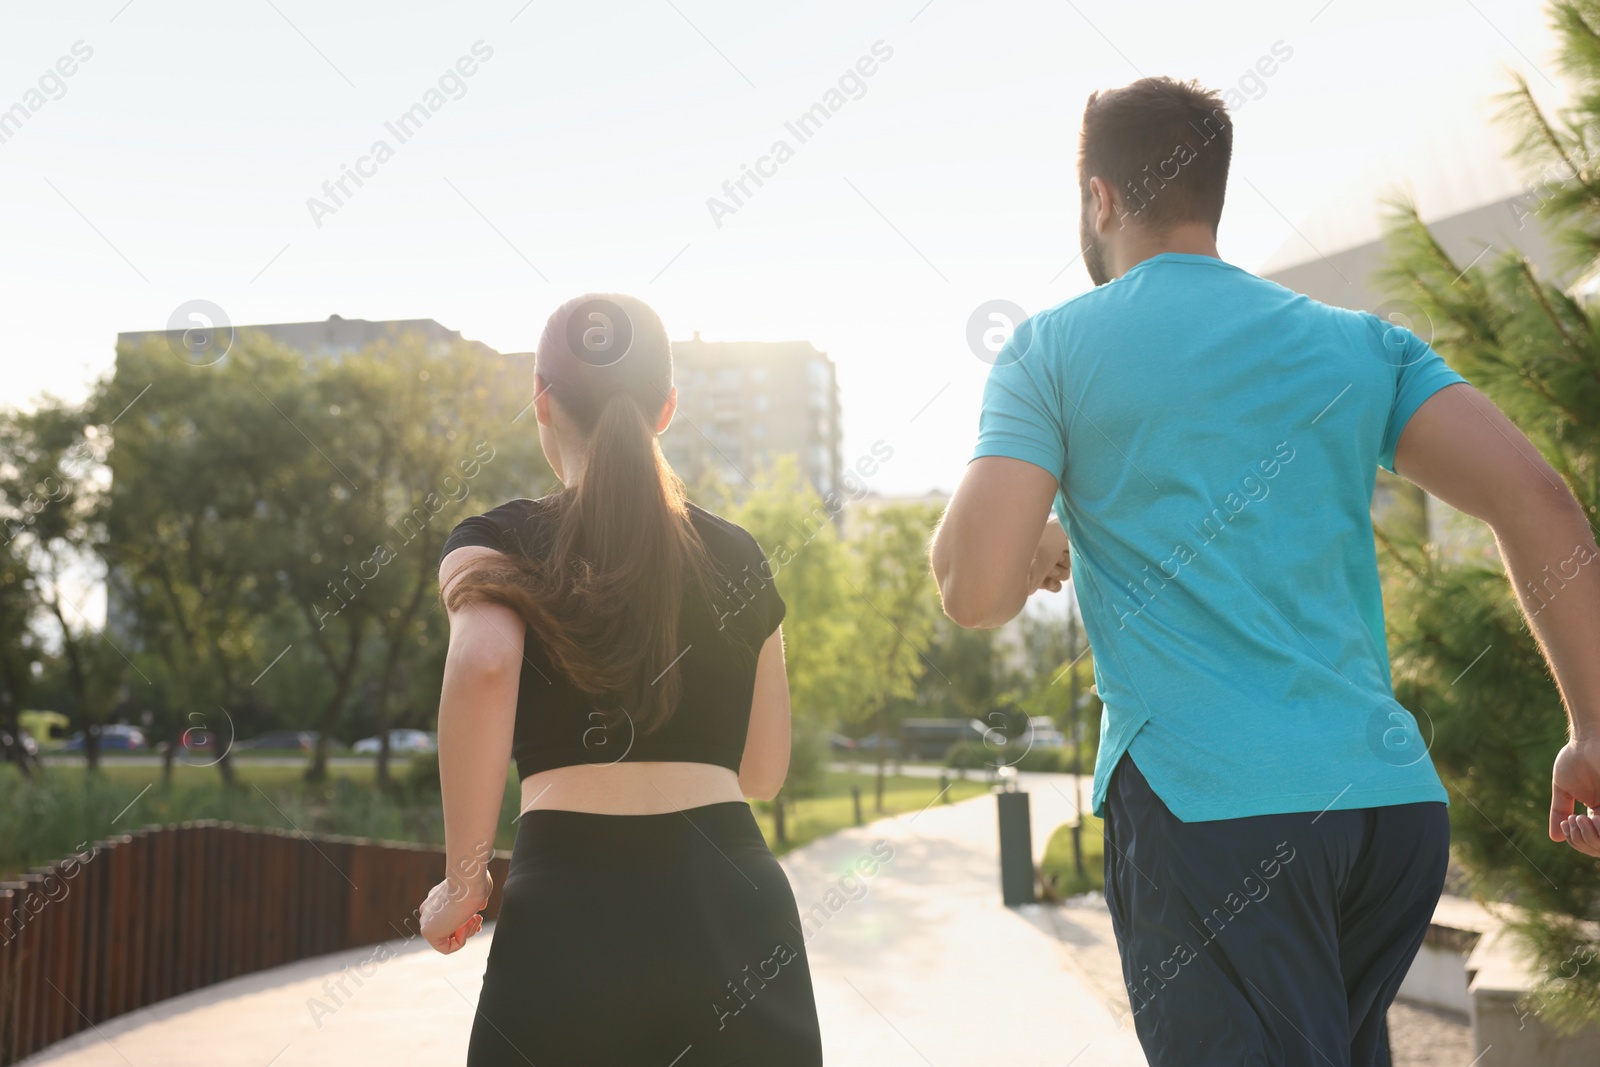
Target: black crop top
(558,724)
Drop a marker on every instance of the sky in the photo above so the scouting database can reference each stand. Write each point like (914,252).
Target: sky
(186,155)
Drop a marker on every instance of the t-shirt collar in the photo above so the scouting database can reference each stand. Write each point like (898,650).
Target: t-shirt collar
(1176,257)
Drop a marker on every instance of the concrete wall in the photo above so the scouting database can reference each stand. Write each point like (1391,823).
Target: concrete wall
(1504,1033)
(1438,979)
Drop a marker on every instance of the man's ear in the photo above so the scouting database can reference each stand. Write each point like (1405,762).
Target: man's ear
(669,409)
(1105,205)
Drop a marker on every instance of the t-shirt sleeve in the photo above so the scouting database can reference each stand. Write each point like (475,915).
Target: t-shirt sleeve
(1419,373)
(473,530)
(1021,416)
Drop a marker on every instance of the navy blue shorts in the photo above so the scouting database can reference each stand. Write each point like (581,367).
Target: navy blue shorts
(1267,941)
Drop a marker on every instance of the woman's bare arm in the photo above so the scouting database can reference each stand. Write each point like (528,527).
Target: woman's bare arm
(477,711)
(766,747)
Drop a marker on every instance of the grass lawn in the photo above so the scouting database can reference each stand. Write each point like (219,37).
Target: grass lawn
(1057,874)
(833,809)
(184,775)
(66,807)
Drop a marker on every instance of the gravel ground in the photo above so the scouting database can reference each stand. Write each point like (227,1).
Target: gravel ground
(1425,1037)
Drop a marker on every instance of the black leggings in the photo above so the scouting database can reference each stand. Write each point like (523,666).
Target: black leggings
(646,939)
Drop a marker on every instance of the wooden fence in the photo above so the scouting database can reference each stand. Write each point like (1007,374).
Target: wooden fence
(149,915)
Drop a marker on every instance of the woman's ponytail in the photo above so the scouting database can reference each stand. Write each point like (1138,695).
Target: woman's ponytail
(604,595)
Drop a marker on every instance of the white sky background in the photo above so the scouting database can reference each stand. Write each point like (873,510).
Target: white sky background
(593,137)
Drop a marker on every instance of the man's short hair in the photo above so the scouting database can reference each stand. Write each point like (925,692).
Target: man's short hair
(1163,145)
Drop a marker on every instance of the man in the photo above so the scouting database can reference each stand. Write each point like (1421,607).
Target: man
(1276,833)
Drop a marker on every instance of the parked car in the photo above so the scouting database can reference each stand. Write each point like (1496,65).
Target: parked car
(284,741)
(400,741)
(1043,733)
(841,743)
(48,728)
(198,739)
(930,739)
(114,737)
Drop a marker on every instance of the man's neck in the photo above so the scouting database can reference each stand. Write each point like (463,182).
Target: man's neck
(1195,239)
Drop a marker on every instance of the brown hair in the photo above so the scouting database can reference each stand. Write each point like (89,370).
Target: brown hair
(603,594)
(1163,145)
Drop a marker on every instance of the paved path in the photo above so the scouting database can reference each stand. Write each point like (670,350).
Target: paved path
(917,965)
(928,968)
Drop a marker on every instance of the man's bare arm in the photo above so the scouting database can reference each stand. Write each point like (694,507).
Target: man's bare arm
(988,553)
(1462,449)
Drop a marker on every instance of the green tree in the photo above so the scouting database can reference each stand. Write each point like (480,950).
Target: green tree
(277,519)
(330,529)
(893,615)
(1464,656)
(19,650)
(972,676)
(810,569)
(1058,680)
(56,493)
(436,426)
(196,454)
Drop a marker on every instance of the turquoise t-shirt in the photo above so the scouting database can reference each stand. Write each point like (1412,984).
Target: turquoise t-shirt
(1217,438)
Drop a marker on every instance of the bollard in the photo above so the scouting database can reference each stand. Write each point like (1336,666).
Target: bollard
(1016,848)
(855,796)
(944,786)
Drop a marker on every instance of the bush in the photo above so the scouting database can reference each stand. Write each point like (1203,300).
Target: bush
(422,774)
(1043,760)
(975,755)
(967,756)
(808,758)
(1058,875)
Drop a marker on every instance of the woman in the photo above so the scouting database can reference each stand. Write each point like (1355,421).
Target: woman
(623,646)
